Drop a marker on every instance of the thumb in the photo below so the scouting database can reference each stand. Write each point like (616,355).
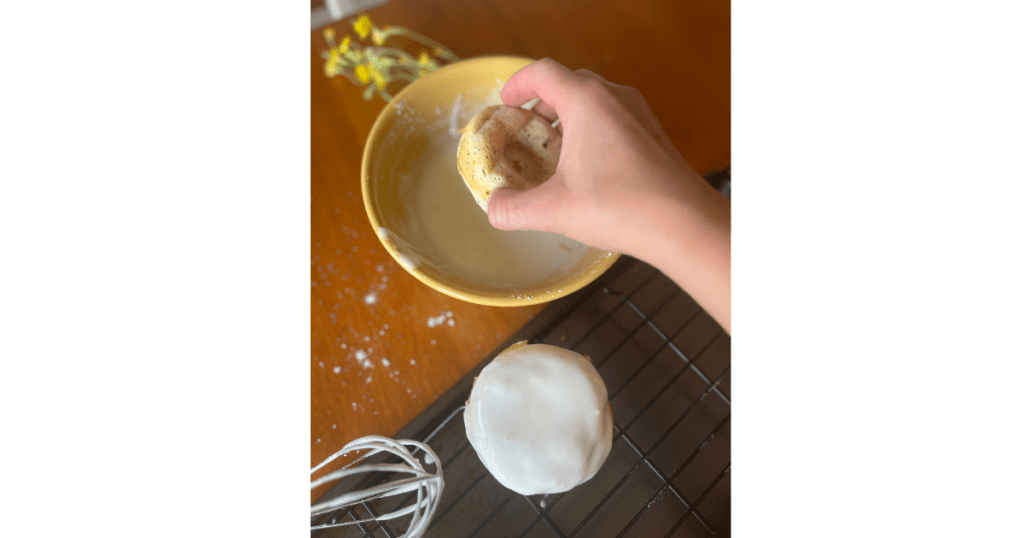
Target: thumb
(530,209)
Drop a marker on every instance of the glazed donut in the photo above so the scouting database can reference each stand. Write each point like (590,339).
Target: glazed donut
(506,146)
(539,419)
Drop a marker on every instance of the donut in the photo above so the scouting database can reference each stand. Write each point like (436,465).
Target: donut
(506,146)
(539,419)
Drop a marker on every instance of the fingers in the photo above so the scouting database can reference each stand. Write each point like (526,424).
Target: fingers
(545,111)
(556,87)
(530,209)
(546,79)
(553,84)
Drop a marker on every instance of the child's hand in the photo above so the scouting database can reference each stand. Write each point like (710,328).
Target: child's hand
(620,184)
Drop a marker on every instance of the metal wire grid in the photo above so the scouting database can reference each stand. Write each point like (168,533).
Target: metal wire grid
(597,319)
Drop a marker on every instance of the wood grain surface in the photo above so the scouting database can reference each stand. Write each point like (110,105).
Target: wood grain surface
(362,302)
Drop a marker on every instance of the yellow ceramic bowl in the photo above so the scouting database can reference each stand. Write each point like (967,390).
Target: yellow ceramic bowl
(418,121)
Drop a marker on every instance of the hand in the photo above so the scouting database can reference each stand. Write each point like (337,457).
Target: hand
(620,184)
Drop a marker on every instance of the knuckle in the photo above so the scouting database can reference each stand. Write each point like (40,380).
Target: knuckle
(547,64)
(593,87)
(629,95)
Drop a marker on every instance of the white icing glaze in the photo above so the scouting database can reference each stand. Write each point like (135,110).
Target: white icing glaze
(539,420)
(439,230)
(406,255)
(445,230)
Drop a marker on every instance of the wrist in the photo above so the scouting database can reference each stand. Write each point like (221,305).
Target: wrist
(689,239)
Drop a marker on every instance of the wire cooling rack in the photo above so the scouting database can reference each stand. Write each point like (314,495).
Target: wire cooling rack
(667,367)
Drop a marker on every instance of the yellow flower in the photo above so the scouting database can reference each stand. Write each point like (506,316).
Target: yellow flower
(425,58)
(329,35)
(362,73)
(363,26)
(331,67)
(333,60)
(343,48)
(367,72)
(377,77)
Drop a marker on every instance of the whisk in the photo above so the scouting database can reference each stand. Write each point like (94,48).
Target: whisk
(428,486)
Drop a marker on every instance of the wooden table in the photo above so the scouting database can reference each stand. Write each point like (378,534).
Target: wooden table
(418,342)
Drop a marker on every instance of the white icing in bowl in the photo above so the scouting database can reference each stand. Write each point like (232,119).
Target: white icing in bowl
(538,418)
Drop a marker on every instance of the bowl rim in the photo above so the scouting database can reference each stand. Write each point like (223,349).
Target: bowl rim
(505,300)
